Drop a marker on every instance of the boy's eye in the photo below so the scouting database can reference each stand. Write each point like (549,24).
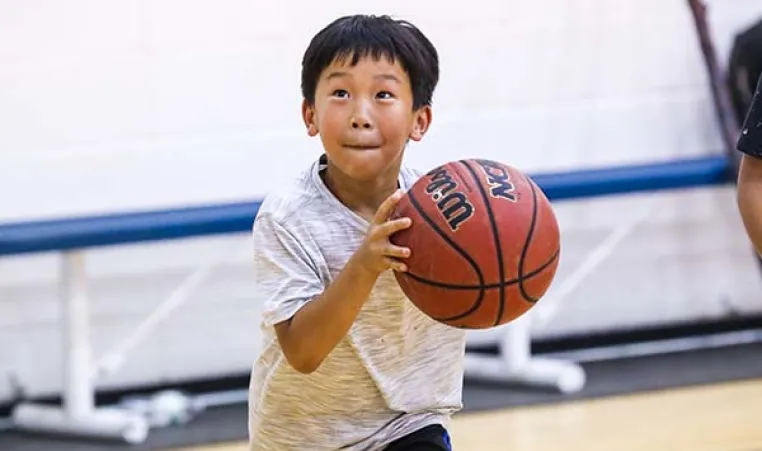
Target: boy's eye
(385,95)
(340,93)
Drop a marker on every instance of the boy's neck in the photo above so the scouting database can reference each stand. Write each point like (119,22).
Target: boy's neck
(362,197)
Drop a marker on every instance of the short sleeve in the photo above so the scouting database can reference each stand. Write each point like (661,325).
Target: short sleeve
(285,276)
(750,141)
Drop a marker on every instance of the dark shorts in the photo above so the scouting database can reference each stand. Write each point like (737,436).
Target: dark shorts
(430,438)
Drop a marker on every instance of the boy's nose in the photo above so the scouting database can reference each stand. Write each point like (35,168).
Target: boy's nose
(359,122)
(361,116)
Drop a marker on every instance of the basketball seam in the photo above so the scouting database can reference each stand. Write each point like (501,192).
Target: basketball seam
(527,242)
(490,286)
(496,240)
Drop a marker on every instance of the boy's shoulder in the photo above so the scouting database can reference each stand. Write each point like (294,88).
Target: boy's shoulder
(300,197)
(288,199)
(410,174)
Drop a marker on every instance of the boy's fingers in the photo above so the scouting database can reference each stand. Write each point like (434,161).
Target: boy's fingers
(383,212)
(397,251)
(395,265)
(395,226)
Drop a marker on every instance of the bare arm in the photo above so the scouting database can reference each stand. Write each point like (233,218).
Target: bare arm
(312,333)
(750,198)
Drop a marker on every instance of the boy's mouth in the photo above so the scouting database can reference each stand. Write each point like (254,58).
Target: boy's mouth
(361,146)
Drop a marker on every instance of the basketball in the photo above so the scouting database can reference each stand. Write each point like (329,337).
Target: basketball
(484,243)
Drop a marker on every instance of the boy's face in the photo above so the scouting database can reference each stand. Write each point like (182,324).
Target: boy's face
(364,116)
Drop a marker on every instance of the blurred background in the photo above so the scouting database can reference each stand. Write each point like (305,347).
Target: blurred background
(137,137)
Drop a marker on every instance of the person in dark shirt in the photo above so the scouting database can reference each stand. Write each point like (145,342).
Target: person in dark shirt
(744,68)
(750,173)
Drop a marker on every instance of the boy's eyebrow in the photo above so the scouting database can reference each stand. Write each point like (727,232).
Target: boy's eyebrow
(337,74)
(390,77)
(384,76)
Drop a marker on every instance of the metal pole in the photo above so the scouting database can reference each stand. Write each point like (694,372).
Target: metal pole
(78,393)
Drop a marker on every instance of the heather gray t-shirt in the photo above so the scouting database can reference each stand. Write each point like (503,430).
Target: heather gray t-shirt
(396,370)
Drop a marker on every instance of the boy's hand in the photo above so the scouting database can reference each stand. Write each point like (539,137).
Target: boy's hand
(377,254)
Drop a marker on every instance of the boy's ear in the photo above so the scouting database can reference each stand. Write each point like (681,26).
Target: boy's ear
(421,123)
(308,115)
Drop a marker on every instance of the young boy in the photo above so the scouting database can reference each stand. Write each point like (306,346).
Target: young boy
(348,362)
(750,173)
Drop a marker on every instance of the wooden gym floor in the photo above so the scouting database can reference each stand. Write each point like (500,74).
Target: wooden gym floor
(719,417)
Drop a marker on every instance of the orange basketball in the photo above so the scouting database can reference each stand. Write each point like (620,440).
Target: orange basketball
(484,243)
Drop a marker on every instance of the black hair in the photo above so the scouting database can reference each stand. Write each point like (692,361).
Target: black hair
(360,36)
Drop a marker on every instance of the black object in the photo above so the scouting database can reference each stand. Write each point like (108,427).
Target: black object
(750,140)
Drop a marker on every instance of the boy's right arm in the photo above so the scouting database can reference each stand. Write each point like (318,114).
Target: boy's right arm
(316,328)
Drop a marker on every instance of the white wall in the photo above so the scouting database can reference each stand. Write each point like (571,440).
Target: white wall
(111,106)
